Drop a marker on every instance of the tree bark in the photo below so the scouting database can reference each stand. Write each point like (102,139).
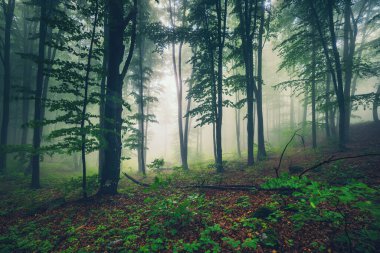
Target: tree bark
(313,92)
(336,73)
(261,152)
(110,175)
(219,119)
(85,101)
(8,10)
(182,131)
(38,97)
(103,89)
(247,31)
(237,124)
(27,77)
(376,104)
(327,105)
(141,149)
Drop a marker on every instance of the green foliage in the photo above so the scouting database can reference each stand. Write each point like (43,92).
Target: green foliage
(175,213)
(286,181)
(73,186)
(157,164)
(243,202)
(318,202)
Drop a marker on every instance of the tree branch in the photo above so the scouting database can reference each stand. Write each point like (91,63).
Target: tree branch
(332,159)
(133,40)
(277,169)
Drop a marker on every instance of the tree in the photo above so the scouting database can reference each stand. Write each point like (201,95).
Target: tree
(85,99)
(44,5)
(183,131)
(8,11)
(28,46)
(261,152)
(376,104)
(207,40)
(247,14)
(110,174)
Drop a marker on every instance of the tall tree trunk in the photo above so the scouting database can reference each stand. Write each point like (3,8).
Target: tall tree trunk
(187,127)
(292,111)
(219,119)
(8,11)
(305,103)
(213,88)
(339,76)
(237,124)
(141,110)
(103,89)
(376,104)
(261,152)
(85,101)
(50,56)
(38,97)
(327,105)
(179,86)
(110,175)
(348,54)
(313,92)
(336,73)
(247,31)
(27,77)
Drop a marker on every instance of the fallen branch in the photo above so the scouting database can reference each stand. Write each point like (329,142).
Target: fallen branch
(216,187)
(135,180)
(332,159)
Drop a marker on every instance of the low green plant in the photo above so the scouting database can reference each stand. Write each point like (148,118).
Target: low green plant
(157,164)
(243,202)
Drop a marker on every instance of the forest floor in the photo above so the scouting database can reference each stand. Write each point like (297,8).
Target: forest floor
(336,208)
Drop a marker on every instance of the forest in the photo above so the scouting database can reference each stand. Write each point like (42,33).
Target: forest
(189,126)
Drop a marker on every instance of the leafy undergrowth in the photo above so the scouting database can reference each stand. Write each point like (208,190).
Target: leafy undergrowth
(287,215)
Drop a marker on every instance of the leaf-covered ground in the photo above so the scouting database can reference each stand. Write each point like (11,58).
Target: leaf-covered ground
(331,210)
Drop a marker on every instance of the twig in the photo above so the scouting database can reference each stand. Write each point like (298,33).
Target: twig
(332,159)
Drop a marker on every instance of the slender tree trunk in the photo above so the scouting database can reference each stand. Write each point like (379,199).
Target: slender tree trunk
(261,152)
(187,128)
(8,11)
(245,17)
(327,105)
(313,93)
(141,149)
(179,86)
(348,56)
(85,101)
(292,111)
(219,119)
(27,84)
(213,90)
(103,90)
(51,56)
(376,104)
(336,73)
(237,124)
(38,97)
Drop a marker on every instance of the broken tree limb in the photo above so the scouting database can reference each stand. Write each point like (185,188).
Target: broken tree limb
(333,159)
(135,180)
(216,187)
